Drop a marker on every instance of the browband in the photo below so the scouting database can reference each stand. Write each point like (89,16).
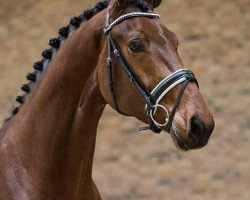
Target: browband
(126,16)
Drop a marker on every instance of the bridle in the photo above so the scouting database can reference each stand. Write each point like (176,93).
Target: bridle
(152,98)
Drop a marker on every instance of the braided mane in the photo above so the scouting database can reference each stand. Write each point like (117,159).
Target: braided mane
(50,53)
(58,42)
(144,6)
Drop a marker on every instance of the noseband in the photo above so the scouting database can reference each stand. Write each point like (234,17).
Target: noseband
(152,98)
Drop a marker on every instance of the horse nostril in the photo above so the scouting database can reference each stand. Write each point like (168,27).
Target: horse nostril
(197,129)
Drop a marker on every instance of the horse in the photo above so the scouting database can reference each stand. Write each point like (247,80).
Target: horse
(117,53)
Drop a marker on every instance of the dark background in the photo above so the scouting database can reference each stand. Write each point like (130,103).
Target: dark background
(215,44)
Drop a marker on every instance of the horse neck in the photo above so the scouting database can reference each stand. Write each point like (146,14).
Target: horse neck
(51,140)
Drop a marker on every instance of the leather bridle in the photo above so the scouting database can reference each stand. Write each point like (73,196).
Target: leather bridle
(152,98)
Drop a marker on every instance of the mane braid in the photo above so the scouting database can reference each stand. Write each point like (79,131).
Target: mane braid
(144,6)
(49,54)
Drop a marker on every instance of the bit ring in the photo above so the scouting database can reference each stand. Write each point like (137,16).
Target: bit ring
(152,115)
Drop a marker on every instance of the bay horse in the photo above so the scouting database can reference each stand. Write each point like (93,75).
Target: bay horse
(118,53)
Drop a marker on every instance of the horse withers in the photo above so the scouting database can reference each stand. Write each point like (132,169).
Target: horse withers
(118,53)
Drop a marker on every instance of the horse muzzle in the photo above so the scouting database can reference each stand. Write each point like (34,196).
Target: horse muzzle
(198,134)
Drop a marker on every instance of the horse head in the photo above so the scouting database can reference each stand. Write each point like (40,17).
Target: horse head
(146,77)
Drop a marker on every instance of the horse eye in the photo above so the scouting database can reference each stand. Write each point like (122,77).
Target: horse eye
(136,45)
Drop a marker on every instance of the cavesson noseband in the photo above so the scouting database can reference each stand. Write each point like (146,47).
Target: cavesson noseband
(152,98)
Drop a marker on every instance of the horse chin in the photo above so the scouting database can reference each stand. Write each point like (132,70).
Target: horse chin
(183,145)
(178,141)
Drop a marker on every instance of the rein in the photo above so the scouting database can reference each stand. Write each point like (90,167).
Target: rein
(152,98)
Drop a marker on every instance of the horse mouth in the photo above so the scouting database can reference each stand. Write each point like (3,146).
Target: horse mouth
(179,142)
(182,144)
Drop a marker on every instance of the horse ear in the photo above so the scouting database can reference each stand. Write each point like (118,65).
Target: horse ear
(156,3)
(116,5)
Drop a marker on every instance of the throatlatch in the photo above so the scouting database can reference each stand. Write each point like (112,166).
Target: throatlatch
(152,99)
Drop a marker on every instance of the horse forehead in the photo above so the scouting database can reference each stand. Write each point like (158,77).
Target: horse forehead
(144,25)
